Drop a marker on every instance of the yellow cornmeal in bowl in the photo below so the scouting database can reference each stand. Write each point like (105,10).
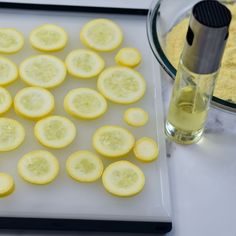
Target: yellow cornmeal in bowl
(226,82)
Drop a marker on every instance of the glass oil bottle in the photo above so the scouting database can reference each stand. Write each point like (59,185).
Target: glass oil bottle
(197,71)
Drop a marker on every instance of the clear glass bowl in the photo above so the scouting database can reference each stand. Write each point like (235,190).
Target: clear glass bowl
(162,16)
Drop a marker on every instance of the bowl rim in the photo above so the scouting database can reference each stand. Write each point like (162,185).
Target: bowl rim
(159,54)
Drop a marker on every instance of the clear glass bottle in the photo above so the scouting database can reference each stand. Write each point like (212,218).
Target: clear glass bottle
(197,71)
(189,105)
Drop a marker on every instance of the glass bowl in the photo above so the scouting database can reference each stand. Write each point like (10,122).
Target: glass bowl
(162,16)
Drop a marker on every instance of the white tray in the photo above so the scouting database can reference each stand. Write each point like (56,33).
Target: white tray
(65,198)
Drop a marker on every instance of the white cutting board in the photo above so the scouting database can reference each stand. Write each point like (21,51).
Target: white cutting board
(65,198)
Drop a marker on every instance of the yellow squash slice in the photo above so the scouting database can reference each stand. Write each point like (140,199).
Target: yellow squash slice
(85,103)
(123,179)
(55,132)
(130,57)
(8,71)
(7,185)
(48,38)
(113,141)
(34,102)
(12,134)
(84,166)
(44,71)
(136,117)
(101,35)
(11,41)
(38,167)
(5,100)
(84,64)
(146,149)
(121,85)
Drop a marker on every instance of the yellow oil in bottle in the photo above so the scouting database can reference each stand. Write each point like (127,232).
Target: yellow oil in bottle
(187,115)
(189,105)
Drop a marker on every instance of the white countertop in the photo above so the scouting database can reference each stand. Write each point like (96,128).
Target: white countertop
(202,176)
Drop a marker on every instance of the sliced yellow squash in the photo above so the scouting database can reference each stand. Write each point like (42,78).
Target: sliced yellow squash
(146,149)
(85,103)
(7,184)
(121,85)
(101,35)
(11,41)
(5,100)
(8,71)
(130,57)
(84,166)
(44,71)
(84,64)
(48,38)
(12,134)
(136,117)
(55,132)
(34,102)
(123,179)
(113,141)
(38,167)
